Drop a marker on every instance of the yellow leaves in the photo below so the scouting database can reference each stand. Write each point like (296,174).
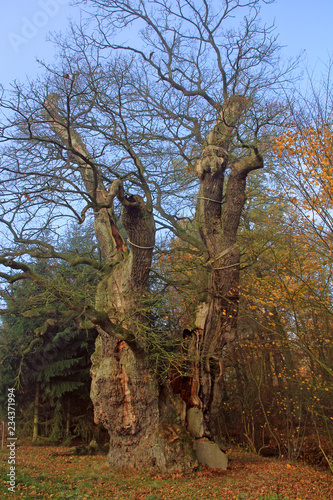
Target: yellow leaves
(312,149)
(325,163)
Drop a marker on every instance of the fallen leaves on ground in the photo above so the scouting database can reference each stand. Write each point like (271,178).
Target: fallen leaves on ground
(51,472)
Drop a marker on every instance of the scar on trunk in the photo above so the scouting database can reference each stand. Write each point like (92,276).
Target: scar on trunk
(116,236)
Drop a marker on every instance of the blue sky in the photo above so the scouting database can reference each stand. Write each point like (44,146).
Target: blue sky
(24,25)
(304,25)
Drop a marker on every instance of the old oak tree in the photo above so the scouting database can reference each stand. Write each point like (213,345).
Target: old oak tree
(158,135)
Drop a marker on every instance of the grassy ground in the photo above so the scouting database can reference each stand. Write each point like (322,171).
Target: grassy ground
(51,472)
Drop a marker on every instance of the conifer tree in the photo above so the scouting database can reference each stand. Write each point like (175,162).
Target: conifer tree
(45,353)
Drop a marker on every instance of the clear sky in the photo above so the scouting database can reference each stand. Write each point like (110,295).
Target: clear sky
(24,25)
(304,25)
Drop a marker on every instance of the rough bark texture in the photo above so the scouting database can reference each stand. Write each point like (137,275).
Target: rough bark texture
(218,215)
(143,422)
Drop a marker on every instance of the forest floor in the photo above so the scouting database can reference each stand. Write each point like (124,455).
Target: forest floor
(52,472)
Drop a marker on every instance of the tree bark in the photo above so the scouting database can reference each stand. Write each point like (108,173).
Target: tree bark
(218,214)
(127,398)
(68,419)
(36,414)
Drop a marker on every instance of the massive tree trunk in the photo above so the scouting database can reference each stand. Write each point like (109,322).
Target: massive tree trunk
(145,420)
(142,418)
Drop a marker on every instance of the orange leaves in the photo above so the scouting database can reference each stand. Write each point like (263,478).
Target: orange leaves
(248,476)
(311,149)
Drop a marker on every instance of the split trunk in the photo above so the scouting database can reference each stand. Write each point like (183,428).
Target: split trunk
(149,424)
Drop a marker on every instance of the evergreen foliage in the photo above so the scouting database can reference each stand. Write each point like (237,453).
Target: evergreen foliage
(43,343)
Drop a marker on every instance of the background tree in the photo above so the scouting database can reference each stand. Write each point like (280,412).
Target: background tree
(158,135)
(45,354)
